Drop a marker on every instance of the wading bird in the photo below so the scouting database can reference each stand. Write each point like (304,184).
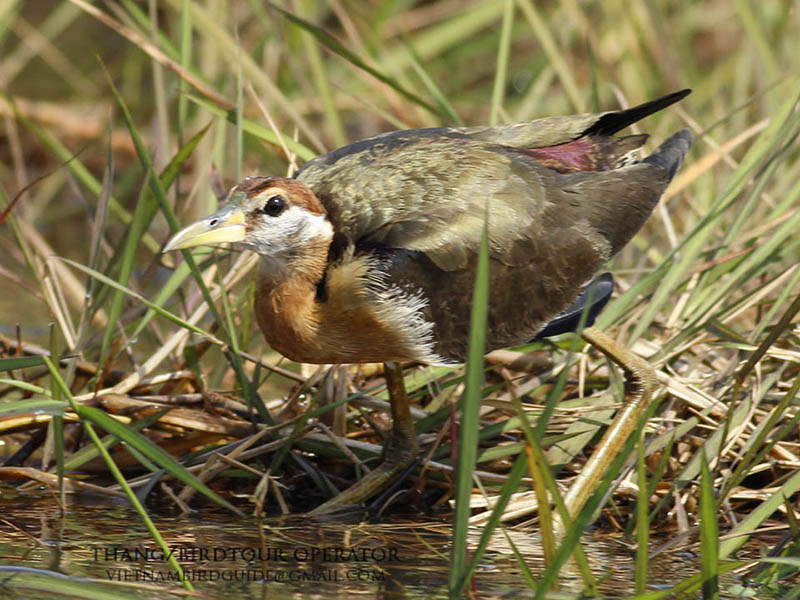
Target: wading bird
(368,253)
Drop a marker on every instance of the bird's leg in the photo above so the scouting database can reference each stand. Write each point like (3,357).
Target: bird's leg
(640,383)
(399,450)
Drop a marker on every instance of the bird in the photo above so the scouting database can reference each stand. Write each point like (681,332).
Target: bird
(368,253)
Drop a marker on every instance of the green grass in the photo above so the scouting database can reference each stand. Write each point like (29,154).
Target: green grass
(102,159)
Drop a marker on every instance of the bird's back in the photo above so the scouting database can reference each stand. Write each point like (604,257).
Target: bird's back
(561,196)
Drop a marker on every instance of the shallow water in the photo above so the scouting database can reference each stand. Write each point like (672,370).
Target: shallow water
(298,558)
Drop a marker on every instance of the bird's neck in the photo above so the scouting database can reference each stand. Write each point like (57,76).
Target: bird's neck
(286,293)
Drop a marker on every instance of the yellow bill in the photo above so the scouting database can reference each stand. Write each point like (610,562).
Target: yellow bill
(225,225)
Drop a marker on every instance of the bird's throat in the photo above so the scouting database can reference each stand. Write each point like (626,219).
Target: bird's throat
(286,292)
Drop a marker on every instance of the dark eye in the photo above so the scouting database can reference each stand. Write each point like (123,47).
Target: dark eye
(274,206)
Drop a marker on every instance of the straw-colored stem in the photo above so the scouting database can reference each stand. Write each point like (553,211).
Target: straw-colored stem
(640,383)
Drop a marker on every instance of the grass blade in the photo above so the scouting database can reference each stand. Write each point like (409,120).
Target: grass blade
(501,73)
(330,42)
(468,430)
(709,534)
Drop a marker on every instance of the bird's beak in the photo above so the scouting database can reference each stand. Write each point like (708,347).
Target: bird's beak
(225,225)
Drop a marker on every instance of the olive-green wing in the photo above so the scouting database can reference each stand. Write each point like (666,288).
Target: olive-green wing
(430,189)
(433,196)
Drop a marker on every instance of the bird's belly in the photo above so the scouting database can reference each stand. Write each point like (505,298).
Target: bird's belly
(354,337)
(522,299)
(355,323)
(410,310)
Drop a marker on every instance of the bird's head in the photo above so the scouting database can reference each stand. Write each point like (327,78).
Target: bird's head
(280,219)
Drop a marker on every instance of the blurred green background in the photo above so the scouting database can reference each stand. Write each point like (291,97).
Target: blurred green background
(350,70)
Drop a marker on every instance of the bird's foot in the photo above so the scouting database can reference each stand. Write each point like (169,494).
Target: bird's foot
(399,453)
(399,450)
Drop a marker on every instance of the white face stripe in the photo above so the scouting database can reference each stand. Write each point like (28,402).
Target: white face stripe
(287,234)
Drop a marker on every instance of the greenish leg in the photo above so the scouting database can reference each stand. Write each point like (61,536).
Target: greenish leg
(399,450)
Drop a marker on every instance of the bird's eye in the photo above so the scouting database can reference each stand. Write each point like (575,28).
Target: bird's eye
(274,206)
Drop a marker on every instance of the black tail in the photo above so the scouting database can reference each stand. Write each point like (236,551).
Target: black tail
(612,122)
(670,154)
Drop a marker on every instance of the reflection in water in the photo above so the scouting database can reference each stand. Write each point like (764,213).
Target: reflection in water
(223,556)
